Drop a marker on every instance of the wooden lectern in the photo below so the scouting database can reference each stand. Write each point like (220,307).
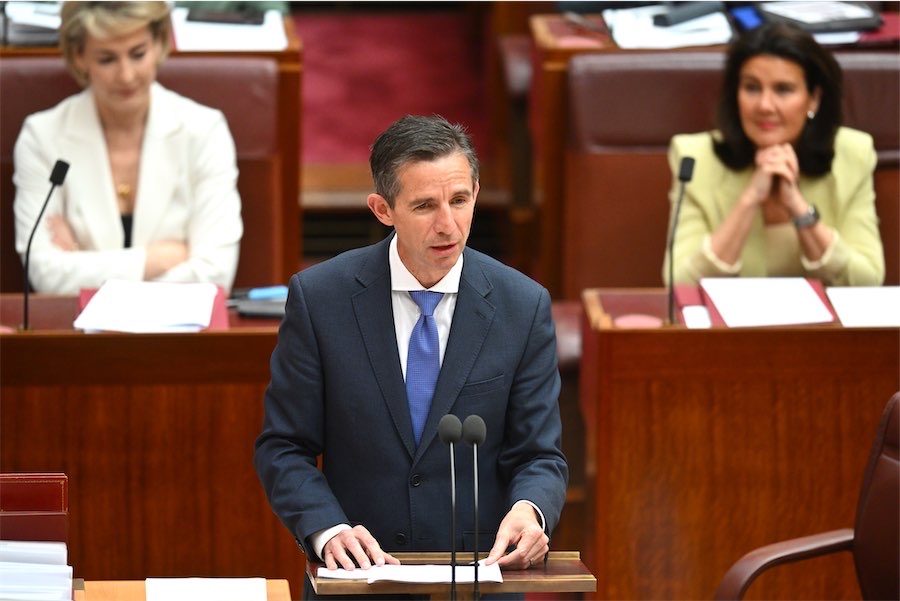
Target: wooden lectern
(563,573)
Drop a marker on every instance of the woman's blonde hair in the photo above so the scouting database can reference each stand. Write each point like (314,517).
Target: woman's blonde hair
(110,19)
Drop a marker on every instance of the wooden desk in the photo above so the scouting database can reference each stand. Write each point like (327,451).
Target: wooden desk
(156,435)
(290,72)
(704,444)
(563,573)
(133,590)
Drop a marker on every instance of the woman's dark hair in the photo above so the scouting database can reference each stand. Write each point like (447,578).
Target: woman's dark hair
(815,148)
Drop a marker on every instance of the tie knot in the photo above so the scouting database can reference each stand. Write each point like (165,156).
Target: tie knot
(426,300)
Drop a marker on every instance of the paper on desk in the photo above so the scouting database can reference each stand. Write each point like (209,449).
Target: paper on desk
(866,306)
(43,552)
(200,36)
(634,28)
(144,307)
(192,589)
(419,574)
(746,302)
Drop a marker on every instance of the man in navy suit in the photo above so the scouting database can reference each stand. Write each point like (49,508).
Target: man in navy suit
(338,375)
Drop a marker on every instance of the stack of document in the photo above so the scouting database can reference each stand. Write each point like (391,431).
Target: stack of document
(31,23)
(200,36)
(749,302)
(34,571)
(416,573)
(634,28)
(191,589)
(148,307)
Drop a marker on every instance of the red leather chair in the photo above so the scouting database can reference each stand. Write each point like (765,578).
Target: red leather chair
(874,540)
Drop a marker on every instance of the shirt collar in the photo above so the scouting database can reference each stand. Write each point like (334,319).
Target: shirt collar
(403,280)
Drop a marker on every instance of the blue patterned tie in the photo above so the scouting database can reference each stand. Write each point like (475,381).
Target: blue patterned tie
(423,362)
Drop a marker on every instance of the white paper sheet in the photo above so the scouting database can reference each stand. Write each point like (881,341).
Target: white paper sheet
(744,302)
(53,553)
(144,307)
(696,317)
(205,589)
(198,36)
(41,582)
(633,28)
(866,306)
(420,574)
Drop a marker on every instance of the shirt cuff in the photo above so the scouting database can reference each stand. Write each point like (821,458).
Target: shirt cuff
(826,256)
(321,538)
(719,263)
(537,510)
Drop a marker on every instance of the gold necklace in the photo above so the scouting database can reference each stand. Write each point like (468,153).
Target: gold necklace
(123,191)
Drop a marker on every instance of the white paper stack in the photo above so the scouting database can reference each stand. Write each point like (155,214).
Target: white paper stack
(34,571)
(634,28)
(199,36)
(192,589)
(32,23)
(144,307)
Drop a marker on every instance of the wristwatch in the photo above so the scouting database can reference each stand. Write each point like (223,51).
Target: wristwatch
(808,219)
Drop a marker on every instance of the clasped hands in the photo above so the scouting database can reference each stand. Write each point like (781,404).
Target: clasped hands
(775,178)
(519,529)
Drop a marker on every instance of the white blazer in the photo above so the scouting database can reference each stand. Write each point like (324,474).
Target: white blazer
(187,190)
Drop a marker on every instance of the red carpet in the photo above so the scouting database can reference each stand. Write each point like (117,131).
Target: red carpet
(363,71)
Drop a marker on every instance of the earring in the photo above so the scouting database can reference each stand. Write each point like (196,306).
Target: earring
(811,115)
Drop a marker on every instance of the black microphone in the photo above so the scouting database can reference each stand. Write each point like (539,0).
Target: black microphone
(56,179)
(450,432)
(685,173)
(474,432)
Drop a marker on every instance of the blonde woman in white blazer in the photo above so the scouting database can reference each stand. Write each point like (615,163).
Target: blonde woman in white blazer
(151,192)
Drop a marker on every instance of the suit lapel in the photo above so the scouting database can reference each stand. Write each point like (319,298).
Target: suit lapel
(85,150)
(375,317)
(471,321)
(159,167)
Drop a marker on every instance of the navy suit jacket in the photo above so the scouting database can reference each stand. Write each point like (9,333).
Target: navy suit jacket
(337,390)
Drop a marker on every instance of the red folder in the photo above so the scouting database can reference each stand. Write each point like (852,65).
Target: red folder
(217,321)
(34,507)
(687,295)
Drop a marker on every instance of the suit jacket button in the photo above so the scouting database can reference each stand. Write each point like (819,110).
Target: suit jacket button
(415,480)
(400,538)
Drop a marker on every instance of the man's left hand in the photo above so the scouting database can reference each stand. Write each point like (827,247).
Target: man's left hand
(520,528)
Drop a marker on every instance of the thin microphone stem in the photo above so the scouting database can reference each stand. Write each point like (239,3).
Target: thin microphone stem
(475,488)
(28,257)
(452,525)
(685,173)
(672,255)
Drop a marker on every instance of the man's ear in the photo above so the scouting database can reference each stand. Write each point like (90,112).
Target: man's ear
(381,209)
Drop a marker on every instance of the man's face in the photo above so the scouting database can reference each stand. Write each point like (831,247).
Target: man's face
(432,215)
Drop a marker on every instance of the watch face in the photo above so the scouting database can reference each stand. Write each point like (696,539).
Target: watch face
(809,219)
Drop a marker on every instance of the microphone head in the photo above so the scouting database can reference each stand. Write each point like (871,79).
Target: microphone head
(473,430)
(686,170)
(59,173)
(450,429)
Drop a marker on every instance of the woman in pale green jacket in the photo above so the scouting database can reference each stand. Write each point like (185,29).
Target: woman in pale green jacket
(780,188)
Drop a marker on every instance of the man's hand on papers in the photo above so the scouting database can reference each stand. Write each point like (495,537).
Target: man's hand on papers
(520,528)
(355,547)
